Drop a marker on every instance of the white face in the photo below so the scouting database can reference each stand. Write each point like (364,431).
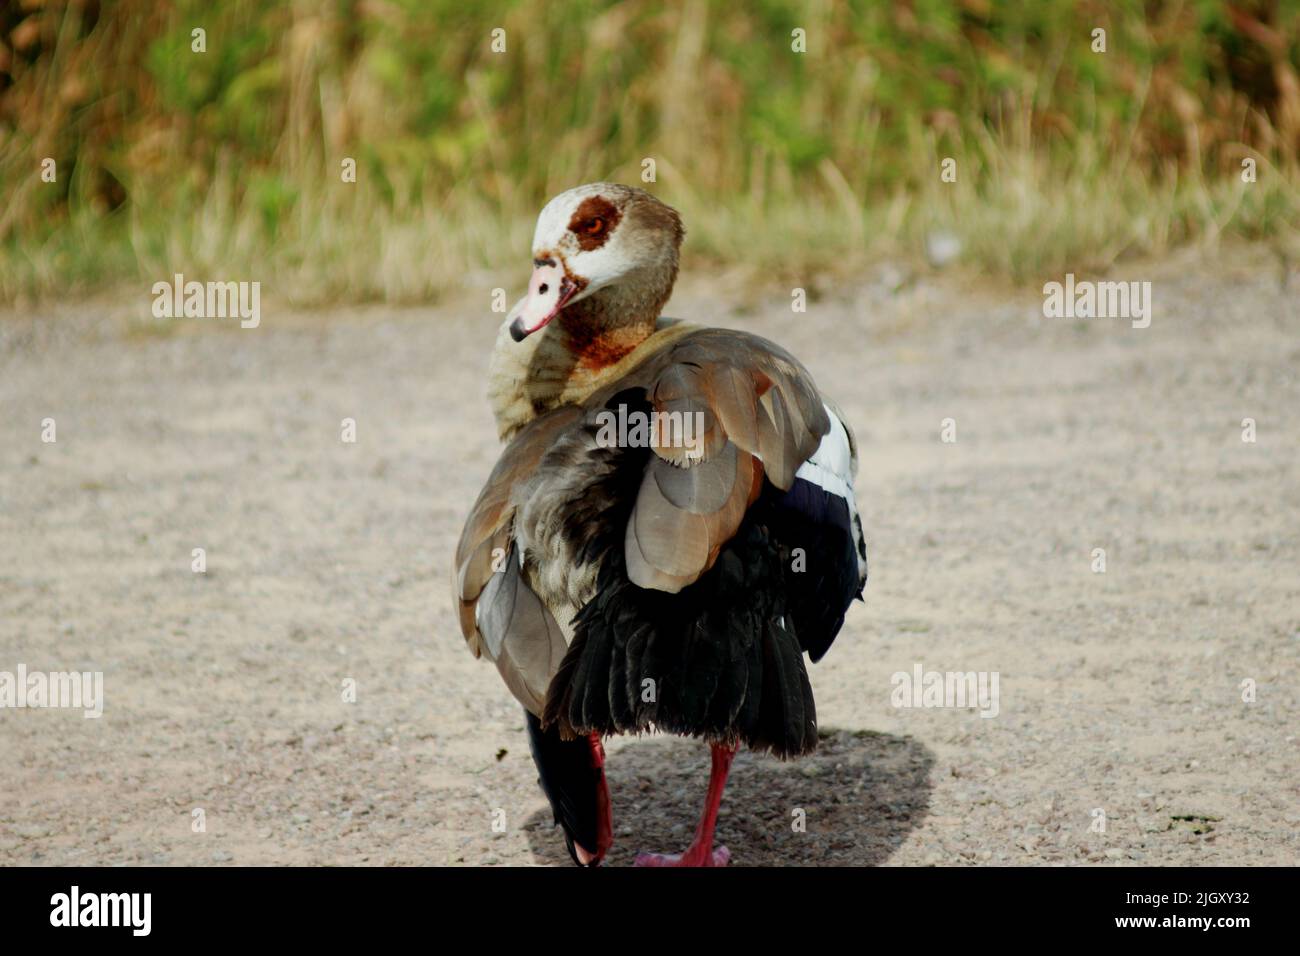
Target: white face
(581,226)
(578,249)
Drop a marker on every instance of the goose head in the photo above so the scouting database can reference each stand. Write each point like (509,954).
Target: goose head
(604,256)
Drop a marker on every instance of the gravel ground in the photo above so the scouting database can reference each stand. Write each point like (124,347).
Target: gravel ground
(1120,692)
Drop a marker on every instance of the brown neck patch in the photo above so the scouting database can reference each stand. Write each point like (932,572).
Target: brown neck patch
(593,221)
(597,349)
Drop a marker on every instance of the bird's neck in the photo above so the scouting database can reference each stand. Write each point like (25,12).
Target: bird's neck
(589,344)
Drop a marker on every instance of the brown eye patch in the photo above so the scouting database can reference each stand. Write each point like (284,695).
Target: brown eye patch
(593,221)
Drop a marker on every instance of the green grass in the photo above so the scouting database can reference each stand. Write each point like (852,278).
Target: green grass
(225,164)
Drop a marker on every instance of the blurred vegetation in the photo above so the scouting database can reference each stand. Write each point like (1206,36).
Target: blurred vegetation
(226,163)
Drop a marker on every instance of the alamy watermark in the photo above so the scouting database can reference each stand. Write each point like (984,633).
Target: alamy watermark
(130,910)
(638,429)
(72,690)
(179,299)
(961,689)
(1098,300)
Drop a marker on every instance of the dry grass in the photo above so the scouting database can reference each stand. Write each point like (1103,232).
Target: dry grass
(226,164)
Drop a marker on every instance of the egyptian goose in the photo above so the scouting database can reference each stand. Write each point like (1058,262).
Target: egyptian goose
(670,526)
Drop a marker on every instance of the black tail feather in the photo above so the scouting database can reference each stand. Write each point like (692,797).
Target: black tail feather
(786,713)
(556,715)
(721,659)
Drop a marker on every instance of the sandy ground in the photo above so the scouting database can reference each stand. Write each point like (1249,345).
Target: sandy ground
(327,561)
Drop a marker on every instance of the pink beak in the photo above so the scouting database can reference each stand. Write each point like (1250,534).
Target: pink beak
(549,291)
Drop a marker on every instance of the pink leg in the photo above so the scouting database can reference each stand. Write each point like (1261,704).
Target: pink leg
(701,851)
(605,827)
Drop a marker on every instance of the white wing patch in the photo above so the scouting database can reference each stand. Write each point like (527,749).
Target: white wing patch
(831,465)
(831,468)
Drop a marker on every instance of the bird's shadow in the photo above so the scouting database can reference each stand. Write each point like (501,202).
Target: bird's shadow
(850,803)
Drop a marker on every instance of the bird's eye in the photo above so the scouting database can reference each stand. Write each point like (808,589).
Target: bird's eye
(594,227)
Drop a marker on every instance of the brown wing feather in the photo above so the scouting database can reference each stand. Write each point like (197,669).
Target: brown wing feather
(488,526)
(520,635)
(762,415)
